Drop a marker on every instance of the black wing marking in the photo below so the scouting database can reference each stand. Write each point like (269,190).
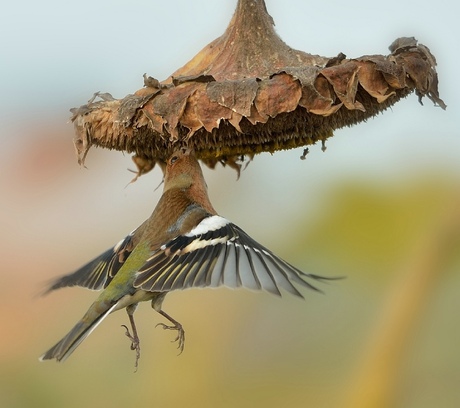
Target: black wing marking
(223,254)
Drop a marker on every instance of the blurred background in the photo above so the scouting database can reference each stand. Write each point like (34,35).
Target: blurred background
(381,206)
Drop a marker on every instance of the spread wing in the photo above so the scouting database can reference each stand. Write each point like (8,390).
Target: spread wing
(214,253)
(99,272)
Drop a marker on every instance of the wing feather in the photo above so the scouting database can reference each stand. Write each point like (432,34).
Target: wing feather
(215,276)
(209,260)
(178,281)
(191,277)
(218,253)
(264,274)
(99,272)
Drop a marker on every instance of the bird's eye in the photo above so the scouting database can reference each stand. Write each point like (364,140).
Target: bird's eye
(173,159)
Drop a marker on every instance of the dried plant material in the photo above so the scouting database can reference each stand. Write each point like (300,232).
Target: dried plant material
(248,92)
(144,165)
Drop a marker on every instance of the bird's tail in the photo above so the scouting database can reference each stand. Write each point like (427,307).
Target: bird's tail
(64,348)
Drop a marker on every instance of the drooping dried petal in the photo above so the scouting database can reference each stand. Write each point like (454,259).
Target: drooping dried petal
(248,92)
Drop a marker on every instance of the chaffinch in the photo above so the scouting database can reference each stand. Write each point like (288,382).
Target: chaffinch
(184,244)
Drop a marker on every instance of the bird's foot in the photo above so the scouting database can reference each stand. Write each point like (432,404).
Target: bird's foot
(135,345)
(180,334)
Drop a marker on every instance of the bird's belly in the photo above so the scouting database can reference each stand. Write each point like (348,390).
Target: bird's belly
(138,296)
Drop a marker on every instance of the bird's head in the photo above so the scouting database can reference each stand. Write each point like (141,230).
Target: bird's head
(182,170)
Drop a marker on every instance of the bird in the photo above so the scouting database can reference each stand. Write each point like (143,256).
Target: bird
(183,244)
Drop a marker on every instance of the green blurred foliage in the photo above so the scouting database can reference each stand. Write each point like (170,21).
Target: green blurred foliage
(370,227)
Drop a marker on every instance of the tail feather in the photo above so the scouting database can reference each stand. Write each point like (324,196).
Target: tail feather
(65,347)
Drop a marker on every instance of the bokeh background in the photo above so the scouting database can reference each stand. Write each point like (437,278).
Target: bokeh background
(380,206)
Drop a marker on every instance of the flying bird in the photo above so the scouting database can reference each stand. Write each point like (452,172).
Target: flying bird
(184,244)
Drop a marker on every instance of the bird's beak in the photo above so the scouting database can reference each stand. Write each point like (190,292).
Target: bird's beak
(188,151)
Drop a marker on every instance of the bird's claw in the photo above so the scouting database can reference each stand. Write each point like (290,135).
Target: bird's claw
(180,335)
(135,345)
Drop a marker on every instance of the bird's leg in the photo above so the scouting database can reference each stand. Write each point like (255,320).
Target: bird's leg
(135,342)
(176,326)
(157,301)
